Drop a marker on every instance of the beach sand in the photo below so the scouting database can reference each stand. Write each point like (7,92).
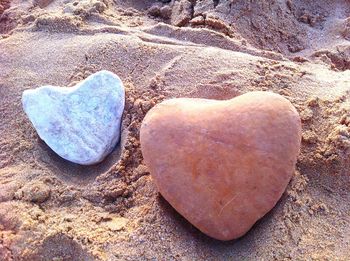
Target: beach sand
(50,208)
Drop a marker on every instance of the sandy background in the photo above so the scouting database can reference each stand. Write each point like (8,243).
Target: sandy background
(54,210)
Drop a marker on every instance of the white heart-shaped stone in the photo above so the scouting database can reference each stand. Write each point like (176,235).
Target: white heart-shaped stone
(80,123)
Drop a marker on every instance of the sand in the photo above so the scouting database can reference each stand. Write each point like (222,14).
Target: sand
(54,210)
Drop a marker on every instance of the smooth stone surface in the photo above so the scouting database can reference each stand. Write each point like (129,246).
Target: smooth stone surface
(222,164)
(80,123)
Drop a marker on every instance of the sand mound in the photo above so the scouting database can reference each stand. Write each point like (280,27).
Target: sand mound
(50,208)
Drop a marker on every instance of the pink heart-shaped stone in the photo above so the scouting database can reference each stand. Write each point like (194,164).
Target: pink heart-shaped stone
(222,164)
